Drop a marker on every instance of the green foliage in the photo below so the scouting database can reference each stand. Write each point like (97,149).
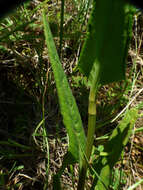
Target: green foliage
(114,148)
(108,37)
(135,185)
(69,110)
(119,178)
(106,44)
(104,52)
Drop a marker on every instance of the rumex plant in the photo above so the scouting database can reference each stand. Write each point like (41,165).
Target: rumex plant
(102,60)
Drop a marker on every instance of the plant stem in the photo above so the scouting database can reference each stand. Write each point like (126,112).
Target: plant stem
(93,82)
(90,137)
(45,137)
(61,27)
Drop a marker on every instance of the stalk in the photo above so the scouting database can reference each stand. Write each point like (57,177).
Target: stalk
(90,136)
(61,27)
(45,137)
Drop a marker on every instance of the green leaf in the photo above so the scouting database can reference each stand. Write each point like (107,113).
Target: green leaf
(114,147)
(69,109)
(107,41)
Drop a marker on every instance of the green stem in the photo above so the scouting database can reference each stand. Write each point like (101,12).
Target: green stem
(90,137)
(61,26)
(93,82)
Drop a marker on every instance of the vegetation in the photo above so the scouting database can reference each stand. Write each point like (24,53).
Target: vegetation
(53,55)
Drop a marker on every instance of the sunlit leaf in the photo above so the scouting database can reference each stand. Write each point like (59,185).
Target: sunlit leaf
(69,109)
(108,38)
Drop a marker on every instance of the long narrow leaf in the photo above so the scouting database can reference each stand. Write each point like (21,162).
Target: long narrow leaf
(135,185)
(69,109)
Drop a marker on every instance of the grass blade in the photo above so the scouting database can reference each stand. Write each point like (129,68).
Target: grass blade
(135,185)
(61,26)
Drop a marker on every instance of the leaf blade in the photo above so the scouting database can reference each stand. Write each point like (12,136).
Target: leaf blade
(114,148)
(69,109)
(108,38)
